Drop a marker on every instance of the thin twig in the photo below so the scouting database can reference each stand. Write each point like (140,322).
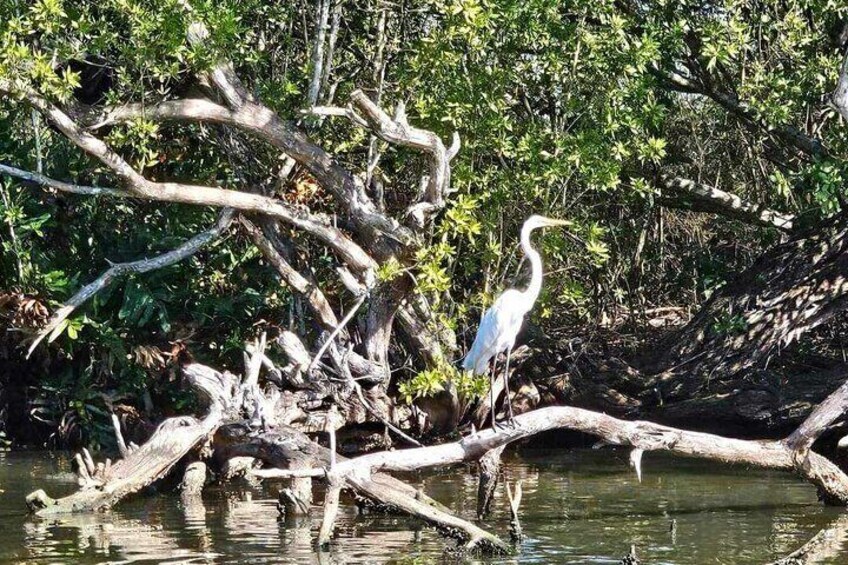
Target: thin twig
(336,331)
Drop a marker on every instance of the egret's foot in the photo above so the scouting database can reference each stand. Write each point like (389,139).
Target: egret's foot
(513,424)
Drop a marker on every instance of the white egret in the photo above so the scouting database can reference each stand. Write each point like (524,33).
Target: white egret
(501,323)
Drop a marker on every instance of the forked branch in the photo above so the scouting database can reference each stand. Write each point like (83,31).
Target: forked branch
(117,270)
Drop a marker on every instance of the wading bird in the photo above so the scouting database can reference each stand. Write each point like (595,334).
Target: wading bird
(501,323)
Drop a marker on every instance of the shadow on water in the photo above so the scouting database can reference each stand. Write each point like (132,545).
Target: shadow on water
(579,507)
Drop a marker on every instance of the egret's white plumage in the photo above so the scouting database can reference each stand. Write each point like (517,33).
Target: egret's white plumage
(498,329)
(502,321)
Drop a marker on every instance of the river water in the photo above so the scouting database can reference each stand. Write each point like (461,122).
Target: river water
(579,506)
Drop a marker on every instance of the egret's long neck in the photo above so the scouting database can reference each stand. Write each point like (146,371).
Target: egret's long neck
(532,291)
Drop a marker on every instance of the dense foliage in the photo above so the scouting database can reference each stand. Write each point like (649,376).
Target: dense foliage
(575,110)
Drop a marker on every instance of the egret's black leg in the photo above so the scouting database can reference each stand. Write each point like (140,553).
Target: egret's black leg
(506,388)
(492,408)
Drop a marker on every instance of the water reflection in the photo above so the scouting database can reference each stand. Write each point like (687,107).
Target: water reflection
(578,507)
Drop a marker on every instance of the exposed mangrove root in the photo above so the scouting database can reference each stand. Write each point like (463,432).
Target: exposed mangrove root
(104,484)
(294,455)
(489,468)
(194,478)
(245,422)
(514,497)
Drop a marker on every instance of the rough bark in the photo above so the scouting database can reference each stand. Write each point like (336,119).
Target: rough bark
(172,440)
(286,448)
(489,468)
(831,482)
(791,289)
(839,97)
(706,198)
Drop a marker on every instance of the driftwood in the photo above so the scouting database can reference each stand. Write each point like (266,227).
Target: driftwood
(105,484)
(243,421)
(791,454)
(290,452)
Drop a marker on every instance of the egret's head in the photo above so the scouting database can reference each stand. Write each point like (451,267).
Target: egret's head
(536,221)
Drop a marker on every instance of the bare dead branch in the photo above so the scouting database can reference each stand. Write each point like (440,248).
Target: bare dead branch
(715,200)
(182,252)
(829,411)
(640,435)
(398,131)
(119,437)
(315,298)
(42,180)
(839,97)
(335,111)
(348,317)
(331,510)
(141,187)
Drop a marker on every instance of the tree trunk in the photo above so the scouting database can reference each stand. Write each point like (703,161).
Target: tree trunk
(789,290)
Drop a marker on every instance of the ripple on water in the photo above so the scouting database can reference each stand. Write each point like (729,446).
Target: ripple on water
(579,507)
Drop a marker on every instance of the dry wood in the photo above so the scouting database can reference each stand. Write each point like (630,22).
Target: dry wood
(172,440)
(193,479)
(292,453)
(514,498)
(641,435)
(489,467)
(839,98)
(331,510)
(45,181)
(182,252)
(712,199)
(102,486)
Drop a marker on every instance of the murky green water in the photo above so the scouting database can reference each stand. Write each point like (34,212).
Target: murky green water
(579,507)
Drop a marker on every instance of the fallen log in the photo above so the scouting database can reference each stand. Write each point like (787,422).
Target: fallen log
(104,484)
(244,421)
(173,439)
(791,454)
(290,452)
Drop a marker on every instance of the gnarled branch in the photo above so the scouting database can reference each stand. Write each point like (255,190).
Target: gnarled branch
(184,251)
(141,187)
(712,199)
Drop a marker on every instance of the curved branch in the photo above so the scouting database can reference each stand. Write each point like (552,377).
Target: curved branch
(787,133)
(715,200)
(642,435)
(141,187)
(261,121)
(398,131)
(184,251)
(42,180)
(316,299)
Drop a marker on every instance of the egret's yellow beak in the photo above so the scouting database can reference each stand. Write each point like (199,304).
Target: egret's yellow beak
(552,222)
